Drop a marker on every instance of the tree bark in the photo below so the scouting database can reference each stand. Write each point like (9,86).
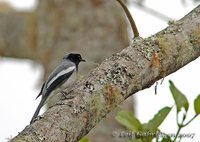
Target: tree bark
(135,68)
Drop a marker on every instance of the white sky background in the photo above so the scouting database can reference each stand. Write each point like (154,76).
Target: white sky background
(19,79)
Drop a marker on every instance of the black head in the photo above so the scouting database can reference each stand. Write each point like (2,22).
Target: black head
(74,57)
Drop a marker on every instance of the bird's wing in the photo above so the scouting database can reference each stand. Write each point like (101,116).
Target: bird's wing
(59,75)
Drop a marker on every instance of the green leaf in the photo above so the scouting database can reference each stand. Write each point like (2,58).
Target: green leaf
(179,98)
(84,139)
(128,120)
(197,105)
(154,123)
(167,139)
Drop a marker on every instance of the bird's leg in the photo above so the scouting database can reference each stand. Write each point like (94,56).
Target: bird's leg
(66,95)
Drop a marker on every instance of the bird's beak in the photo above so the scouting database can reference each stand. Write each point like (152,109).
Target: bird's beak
(83,60)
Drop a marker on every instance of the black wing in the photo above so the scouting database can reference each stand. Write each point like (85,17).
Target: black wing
(59,81)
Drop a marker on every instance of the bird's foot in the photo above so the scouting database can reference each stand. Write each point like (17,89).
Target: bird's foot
(66,95)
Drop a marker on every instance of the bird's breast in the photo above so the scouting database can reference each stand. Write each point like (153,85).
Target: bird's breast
(69,82)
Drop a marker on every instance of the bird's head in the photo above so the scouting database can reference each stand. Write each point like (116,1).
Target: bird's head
(74,57)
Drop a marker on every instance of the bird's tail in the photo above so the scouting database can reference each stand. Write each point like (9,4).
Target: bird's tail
(41,90)
(38,109)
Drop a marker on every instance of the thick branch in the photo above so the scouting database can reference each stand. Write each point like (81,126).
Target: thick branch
(134,68)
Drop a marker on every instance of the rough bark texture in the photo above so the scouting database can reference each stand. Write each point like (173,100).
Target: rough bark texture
(118,77)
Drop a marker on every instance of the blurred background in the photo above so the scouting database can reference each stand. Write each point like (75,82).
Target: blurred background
(35,34)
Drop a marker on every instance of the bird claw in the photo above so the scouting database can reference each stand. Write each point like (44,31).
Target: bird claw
(66,95)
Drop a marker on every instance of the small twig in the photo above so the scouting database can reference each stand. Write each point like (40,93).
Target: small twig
(130,18)
(180,125)
(177,133)
(156,87)
(190,120)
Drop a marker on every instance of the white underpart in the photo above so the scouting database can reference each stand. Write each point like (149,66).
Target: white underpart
(60,74)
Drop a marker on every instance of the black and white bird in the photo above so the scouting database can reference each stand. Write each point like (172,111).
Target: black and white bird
(61,78)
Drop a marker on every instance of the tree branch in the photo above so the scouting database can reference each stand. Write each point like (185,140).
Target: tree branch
(118,77)
(130,18)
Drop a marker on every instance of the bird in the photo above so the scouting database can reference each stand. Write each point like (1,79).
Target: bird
(62,77)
